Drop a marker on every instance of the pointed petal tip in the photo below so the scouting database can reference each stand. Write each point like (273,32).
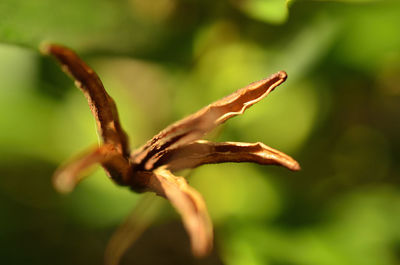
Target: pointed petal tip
(63,184)
(44,48)
(203,252)
(282,75)
(295,166)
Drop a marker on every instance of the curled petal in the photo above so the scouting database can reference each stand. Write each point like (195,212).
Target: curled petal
(204,152)
(138,221)
(198,124)
(191,206)
(68,176)
(102,105)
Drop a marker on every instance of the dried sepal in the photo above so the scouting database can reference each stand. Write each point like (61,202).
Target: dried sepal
(206,119)
(102,105)
(69,175)
(205,152)
(190,205)
(132,228)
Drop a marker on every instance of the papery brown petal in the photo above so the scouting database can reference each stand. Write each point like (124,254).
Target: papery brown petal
(68,176)
(196,125)
(191,206)
(101,104)
(204,152)
(138,221)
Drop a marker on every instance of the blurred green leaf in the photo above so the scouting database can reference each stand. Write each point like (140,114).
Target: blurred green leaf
(236,191)
(351,1)
(89,24)
(370,36)
(73,20)
(270,11)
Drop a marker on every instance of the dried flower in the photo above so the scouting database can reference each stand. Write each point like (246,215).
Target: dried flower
(179,146)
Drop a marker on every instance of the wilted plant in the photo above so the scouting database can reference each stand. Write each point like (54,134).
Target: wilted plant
(179,146)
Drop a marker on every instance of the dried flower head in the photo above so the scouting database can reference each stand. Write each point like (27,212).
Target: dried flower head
(177,147)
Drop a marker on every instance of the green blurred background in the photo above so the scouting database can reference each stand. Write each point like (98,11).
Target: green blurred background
(337,114)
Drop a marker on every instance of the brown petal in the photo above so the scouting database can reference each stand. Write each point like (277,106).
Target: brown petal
(138,221)
(68,176)
(191,206)
(101,104)
(204,152)
(196,125)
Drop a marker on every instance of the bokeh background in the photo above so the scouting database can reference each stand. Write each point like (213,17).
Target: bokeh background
(337,114)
